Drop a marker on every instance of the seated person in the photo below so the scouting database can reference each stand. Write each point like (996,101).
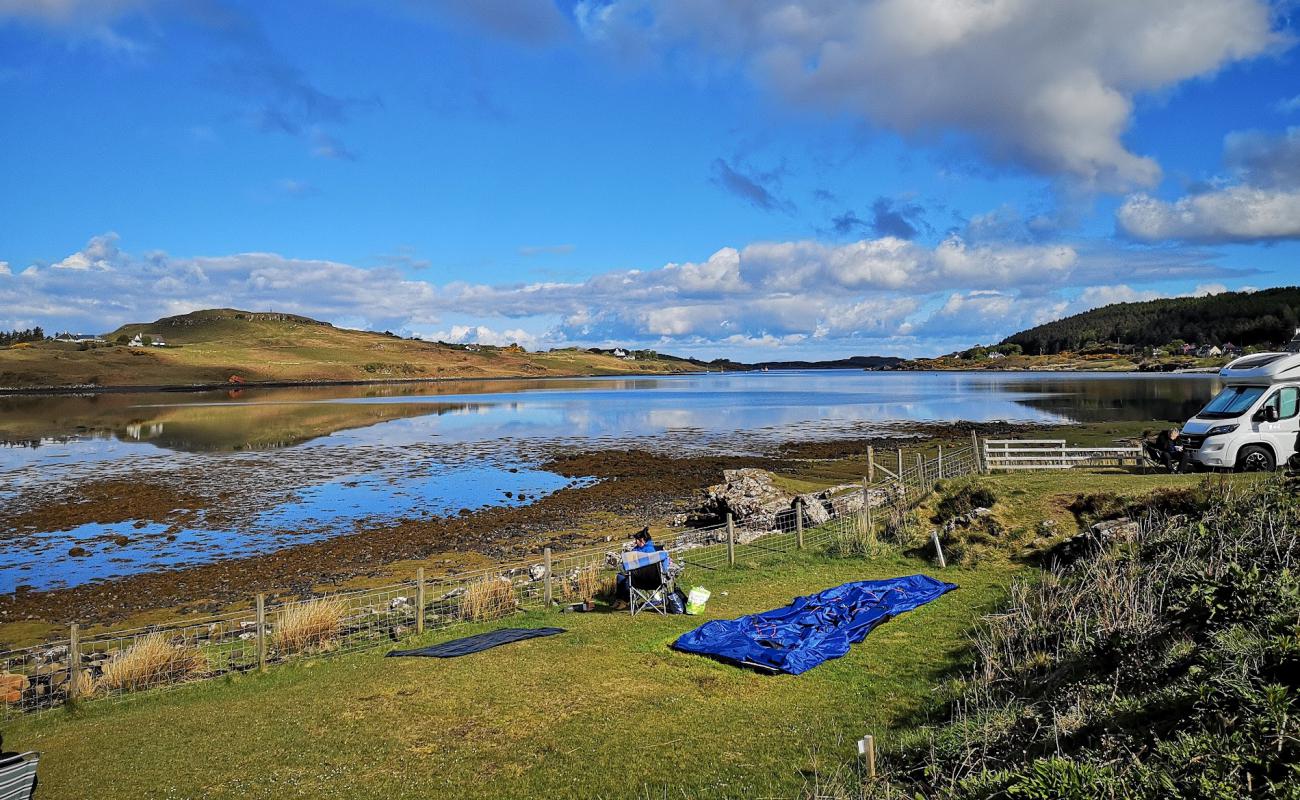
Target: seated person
(641,543)
(1169,451)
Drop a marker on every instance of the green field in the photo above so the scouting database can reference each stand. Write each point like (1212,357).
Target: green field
(606,709)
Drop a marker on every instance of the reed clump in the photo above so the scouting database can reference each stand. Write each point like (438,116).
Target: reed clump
(583,585)
(311,626)
(149,662)
(488,598)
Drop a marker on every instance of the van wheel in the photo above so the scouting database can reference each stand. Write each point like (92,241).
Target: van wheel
(1255,458)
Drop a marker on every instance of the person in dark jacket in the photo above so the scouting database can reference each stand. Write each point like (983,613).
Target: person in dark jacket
(1169,451)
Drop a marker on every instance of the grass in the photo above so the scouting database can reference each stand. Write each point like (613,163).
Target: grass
(151,661)
(489,598)
(1161,666)
(214,344)
(605,710)
(310,626)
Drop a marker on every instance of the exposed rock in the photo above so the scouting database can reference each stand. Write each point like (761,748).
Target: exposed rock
(398,602)
(749,495)
(537,571)
(11,687)
(815,508)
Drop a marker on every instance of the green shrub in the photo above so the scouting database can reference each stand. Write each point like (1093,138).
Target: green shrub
(958,498)
(1168,666)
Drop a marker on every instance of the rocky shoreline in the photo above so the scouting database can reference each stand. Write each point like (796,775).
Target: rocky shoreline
(632,488)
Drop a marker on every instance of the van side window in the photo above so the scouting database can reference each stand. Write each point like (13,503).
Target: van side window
(1288,402)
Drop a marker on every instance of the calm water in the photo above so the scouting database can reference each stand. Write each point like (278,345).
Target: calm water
(283,466)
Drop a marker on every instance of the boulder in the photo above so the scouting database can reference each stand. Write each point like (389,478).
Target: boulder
(749,495)
(12,687)
(815,511)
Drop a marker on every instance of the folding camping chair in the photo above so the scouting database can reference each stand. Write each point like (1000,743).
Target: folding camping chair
(18,776)
(649,580)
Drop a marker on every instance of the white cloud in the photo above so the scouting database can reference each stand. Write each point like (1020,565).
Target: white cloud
(1261,201)
(1234,214)
(481,334)
(1047,85)
(792,294)
(4,268)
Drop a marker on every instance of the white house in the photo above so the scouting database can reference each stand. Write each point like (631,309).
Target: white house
(620,352)
(1208,351)
(996,356)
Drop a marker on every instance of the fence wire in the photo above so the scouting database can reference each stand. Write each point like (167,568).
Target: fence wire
(124,662)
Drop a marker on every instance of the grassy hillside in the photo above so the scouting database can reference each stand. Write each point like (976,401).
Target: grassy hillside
(1263,318)
(208,347)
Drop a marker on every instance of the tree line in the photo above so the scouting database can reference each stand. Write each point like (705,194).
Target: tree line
(1266,318)
(28,335)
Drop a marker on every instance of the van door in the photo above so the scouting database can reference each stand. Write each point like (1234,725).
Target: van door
(1281,434)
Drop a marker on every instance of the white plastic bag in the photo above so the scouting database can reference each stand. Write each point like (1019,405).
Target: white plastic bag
(696,599)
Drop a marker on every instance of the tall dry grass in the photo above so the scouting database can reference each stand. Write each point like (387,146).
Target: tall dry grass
(583,584)
(151,661)
(310,626)
(488,599)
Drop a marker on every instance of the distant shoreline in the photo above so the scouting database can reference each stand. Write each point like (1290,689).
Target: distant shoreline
(38,391)
(214,387)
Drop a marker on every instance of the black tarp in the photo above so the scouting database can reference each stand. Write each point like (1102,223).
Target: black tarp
(478,642)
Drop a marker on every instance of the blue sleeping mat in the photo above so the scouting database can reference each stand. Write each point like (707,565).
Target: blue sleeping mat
(812,629)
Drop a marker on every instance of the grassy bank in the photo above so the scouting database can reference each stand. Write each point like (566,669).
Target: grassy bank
(1162,662)
(606,709)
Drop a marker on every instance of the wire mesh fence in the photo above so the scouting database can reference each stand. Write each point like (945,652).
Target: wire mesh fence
(119,663)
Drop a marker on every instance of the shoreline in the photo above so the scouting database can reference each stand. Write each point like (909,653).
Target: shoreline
(183,388)
(180,388)
(633,488)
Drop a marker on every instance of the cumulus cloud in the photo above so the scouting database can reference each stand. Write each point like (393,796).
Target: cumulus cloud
(1046,85)
(798,293)
(481,334)
(1261,203)
(1233,214)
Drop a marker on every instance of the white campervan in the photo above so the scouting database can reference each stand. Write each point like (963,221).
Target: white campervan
(1252,424)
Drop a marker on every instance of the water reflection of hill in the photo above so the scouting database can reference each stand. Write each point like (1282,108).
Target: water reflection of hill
(217,424)
(1119,399)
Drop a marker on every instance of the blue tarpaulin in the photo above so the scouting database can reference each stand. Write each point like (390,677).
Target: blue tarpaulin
(812,629)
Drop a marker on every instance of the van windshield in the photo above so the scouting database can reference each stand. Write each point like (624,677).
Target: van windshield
(1233,401)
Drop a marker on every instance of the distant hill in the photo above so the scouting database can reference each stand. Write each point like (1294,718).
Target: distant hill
(1264,318)
(209,347)
(853,362)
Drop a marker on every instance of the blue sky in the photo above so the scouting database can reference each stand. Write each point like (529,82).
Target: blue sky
(756,180)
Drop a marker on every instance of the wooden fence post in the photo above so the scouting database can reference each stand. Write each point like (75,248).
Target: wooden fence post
(866,506)
(419,600)
(900,463)
(547,595)
(74,660)
(867,752)
(798,521)
(871,463)
(975,450)
(731,541)
(938,551)
(940,462)
(261,632)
